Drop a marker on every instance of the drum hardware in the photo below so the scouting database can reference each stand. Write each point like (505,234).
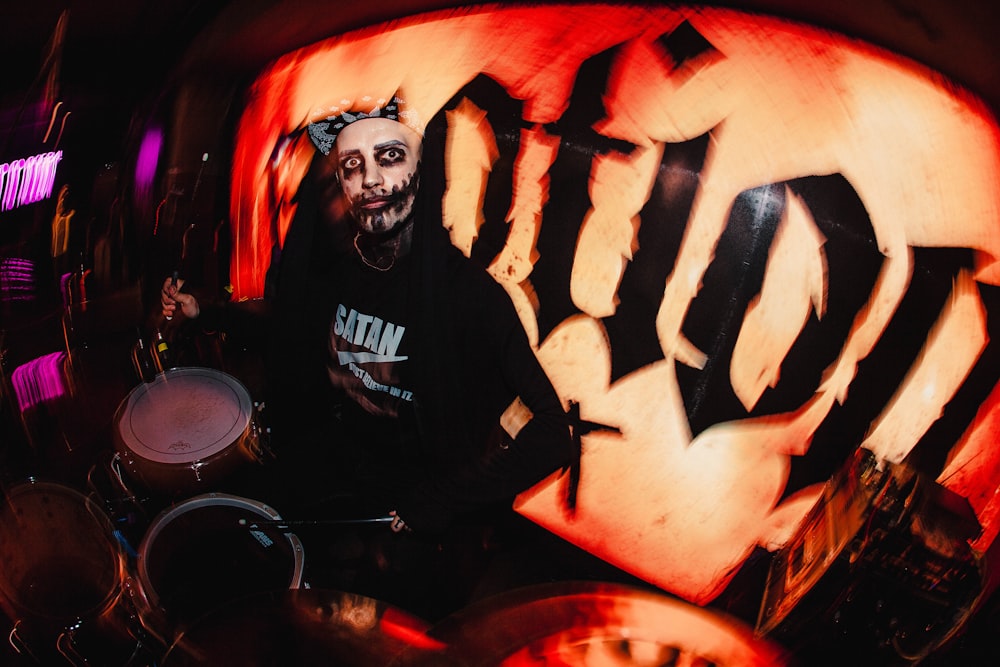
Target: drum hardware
(19,645)
(120,490)
(128,513)
(259,440)
(880,568)
(64,644)
(194,557)
(299,523)
(302,627)
(64,595)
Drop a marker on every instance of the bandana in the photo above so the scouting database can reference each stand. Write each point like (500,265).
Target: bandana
(323,133)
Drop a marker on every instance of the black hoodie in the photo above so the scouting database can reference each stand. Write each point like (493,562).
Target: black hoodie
(472,359)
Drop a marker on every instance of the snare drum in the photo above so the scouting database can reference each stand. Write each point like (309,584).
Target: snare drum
(209,550)
(186,431)
(61,576)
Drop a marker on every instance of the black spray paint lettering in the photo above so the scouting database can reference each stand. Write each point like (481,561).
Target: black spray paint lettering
(735,275)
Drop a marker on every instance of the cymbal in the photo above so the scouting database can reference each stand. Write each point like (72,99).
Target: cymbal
(588,623)
(301,627)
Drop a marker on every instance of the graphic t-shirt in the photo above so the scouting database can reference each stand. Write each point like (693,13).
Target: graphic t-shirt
(368,339)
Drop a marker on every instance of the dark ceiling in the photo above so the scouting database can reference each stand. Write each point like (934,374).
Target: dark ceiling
(106,42)
(116,51)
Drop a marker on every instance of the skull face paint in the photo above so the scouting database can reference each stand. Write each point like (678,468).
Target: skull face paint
(377,162)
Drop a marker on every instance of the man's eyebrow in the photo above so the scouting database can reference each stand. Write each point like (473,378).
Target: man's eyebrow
(390,144)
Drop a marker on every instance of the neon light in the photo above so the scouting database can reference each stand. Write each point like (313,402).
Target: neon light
(28,180)
(64,288)
(17,279)
(149,156)
(39,381)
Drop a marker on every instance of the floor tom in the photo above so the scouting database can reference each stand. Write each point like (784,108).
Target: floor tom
(207,551)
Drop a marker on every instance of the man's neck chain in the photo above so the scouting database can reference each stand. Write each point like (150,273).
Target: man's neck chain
(383,263)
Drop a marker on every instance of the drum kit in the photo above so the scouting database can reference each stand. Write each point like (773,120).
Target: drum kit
(217,578)
(86,579)
(62,575)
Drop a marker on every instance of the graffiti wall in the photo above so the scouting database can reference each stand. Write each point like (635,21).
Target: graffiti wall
(743,248)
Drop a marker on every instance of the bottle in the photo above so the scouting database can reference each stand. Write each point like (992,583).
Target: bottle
(161,352)
(142,360)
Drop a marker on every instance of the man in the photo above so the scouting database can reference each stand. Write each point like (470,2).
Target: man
(421,351)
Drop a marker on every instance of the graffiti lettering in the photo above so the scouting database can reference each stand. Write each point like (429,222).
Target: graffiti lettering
(745,279)
(749,245)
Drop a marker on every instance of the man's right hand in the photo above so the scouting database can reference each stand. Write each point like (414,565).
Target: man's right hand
(398,525)
(172,300)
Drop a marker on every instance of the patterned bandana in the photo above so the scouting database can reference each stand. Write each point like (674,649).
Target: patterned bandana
(324,133)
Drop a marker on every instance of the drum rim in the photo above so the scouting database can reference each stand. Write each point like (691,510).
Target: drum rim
(136,447)
(148,591)
(485,630)
(101,520)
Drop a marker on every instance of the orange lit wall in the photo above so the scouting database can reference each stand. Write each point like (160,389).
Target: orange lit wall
(743,247)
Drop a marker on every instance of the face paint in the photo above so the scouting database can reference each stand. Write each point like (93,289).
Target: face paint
(380,213)
(378,162)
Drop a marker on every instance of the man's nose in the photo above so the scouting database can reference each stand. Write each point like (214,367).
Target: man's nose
(373,176)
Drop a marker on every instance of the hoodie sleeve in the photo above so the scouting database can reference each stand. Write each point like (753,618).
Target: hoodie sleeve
(498,465)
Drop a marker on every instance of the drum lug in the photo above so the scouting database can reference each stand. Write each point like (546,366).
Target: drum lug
(258,446)
(258,442)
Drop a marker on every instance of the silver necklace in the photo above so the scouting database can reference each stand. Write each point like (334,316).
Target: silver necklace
(392,257)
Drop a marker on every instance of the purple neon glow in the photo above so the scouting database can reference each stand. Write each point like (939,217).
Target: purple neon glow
(148,158)
(64,288)
(28,180)
(39,380)
(17,279)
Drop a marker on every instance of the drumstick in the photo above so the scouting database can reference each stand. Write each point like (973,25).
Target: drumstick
(280,524)
(173,281)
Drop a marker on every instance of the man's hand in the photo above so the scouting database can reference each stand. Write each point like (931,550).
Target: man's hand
(171,298)
(398,525)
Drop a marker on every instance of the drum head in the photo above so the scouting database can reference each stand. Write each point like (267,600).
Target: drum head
(58,557)
(207,551)
(184,415)
(301,627)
